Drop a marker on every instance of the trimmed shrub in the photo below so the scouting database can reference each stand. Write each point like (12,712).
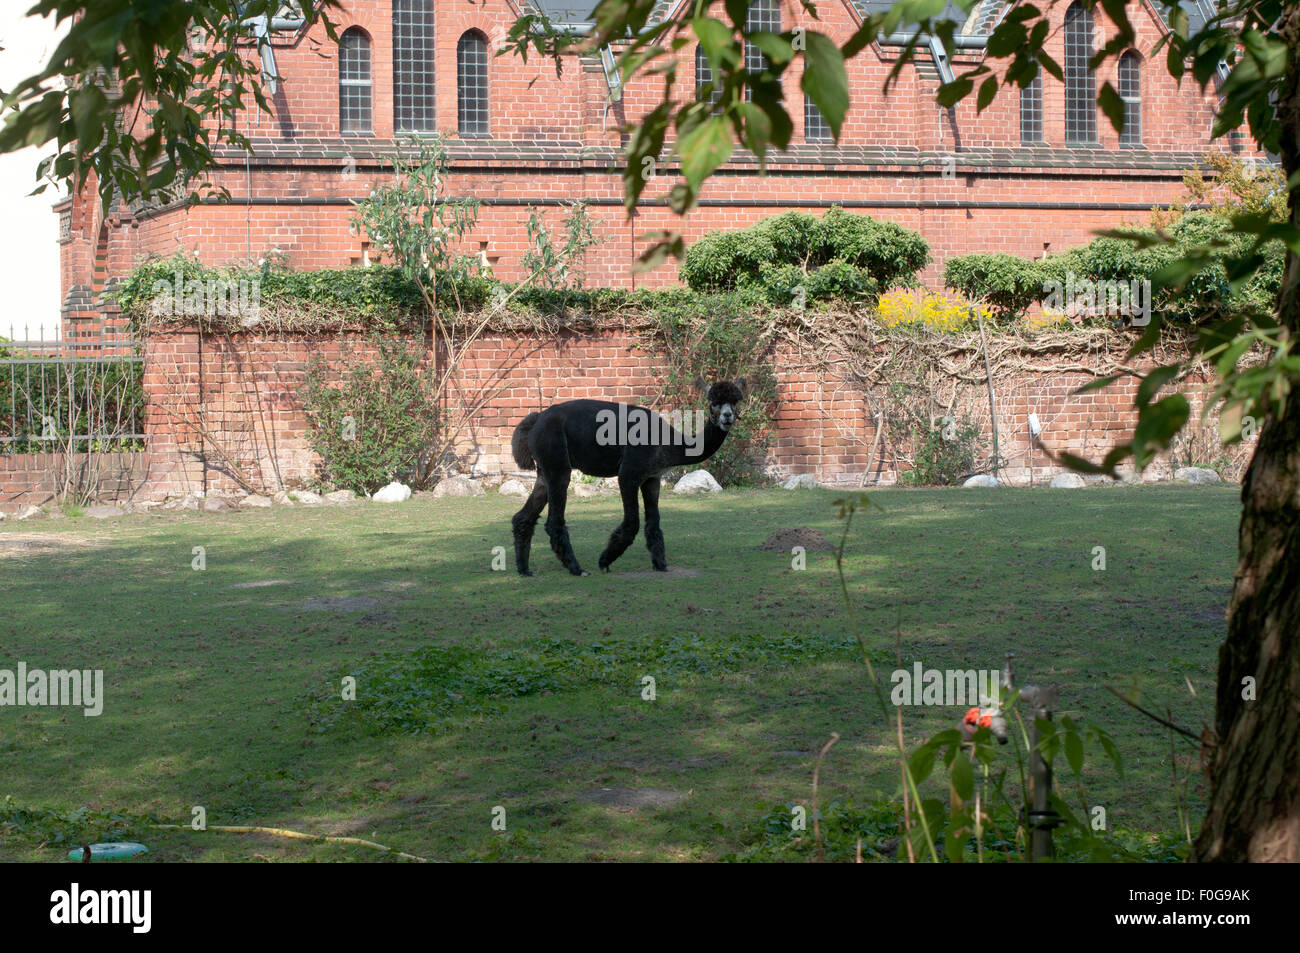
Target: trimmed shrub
(891,254)
(837,279)
(1007,284)
(881,254)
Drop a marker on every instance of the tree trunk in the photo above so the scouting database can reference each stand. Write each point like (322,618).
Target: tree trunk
(1254,812)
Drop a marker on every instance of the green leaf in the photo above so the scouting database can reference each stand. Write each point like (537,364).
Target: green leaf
(1111,105)
(963,777)
(776,48)
(950,94)
(1157,425)
(1074,751)
(665,244)
(1153,381)
(988,90)
(825,79)
(1078,464)
(717,39)
(1098,384)
(921,763)
(704,148)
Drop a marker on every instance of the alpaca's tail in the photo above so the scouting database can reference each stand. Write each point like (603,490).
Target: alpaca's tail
(519,443)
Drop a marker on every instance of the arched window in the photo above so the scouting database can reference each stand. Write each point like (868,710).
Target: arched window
(1080,81)
(354,83)
(704,75)
(1031,111)
(413,65)
(815,126)
(763,15)
(472,84)
(1130,90)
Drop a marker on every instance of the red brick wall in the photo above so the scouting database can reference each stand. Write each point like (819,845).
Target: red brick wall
(245,392)
(31,479)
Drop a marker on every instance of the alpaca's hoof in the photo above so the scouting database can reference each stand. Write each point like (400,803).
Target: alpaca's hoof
(663,568)
(527,572)
(604,569)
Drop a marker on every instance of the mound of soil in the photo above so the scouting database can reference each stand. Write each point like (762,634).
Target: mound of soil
(784,540)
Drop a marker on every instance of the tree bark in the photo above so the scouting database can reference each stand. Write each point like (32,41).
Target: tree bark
(1254,812)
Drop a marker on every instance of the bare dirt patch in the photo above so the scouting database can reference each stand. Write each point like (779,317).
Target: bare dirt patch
(342,604)
(260,583)
(784,540)
(631,798)
(17,545)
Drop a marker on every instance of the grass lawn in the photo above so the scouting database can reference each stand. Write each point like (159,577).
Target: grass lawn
(479,689)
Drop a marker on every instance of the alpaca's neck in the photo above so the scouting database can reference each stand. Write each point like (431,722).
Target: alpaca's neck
(679,456)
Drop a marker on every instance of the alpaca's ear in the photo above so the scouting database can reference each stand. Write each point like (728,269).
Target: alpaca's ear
(700,385)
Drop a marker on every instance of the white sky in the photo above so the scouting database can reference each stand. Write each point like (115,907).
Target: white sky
(29,230)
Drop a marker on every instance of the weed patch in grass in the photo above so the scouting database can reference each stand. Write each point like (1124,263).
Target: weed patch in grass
(438,686)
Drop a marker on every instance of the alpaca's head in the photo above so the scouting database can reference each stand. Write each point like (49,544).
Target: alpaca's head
(724,402)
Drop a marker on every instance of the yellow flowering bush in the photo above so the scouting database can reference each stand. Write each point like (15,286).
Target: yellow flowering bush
(937,312)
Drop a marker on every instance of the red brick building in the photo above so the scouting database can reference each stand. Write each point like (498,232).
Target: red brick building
(1036,171)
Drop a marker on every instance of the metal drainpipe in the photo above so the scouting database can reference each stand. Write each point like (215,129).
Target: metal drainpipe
(963,41)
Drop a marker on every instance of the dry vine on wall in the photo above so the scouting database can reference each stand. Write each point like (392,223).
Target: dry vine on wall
(908,379)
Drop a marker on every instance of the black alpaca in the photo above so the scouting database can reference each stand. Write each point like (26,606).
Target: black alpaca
(606,439)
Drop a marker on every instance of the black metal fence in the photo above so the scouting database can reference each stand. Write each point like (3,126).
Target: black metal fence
(70,395)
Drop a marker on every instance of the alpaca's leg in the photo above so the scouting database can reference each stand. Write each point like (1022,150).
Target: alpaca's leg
(557,489)
(624,532)
(524,522)
(654,537)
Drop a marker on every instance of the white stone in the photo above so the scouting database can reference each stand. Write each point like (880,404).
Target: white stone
(512,488)
(458,486)
(1128,474)
(30,513)
(281,498)
(1067,481)
(340,496)
(982,479)
(214,504)
(393,493)
(697,482)
(255,500)
(308,498)
(587,489)
(800,481)
(1196,475)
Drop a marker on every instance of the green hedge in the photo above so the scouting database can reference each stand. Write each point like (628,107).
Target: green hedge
(840,255)
(1007,284)
(1010,285)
